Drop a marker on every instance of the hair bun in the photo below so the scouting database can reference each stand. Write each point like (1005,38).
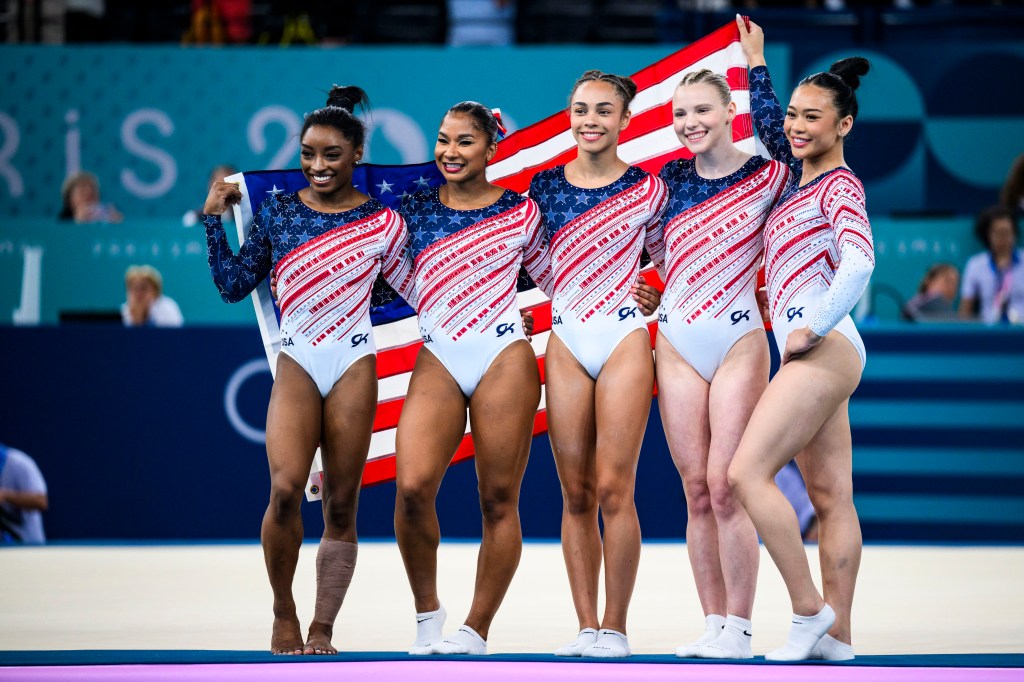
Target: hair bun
(347,97)
(850,70)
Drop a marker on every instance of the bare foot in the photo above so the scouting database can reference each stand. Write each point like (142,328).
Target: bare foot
(287,635)
(319,641)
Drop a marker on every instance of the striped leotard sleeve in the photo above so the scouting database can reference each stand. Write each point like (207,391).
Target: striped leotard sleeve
(536,256)
(396,260)
(844,208)
(769,117)
(237,275)
(654,235)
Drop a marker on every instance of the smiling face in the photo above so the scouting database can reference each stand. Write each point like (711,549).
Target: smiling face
(700,119)
(462,149)
(812,124)
(596,116)
(328,159)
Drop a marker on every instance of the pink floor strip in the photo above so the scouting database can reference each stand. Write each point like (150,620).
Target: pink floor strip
(473,671)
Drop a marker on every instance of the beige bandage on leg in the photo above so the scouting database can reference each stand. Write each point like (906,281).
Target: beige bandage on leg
(335,563)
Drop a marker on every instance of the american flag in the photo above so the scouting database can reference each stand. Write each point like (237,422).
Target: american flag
(648,142)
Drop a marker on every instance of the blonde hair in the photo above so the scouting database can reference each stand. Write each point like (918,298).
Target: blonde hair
(715,80)
(147,273)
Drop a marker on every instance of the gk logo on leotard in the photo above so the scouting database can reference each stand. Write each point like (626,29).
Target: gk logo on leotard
(625,313)
(505,328)
(739,315)
(285,341)
(360,338)
(795,312)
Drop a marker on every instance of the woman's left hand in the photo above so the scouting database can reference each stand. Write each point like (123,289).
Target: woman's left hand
(799,343)
(527,316)
(647,297)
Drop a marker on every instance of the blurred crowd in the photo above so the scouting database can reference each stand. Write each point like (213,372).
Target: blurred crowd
(471,22)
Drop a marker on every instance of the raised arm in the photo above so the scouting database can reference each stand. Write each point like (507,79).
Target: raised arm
(764,104)
(235,275)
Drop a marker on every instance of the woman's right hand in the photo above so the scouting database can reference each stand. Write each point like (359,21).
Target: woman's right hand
(222,196)
(752,40)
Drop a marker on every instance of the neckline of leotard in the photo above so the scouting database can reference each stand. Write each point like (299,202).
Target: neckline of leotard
(820,177)
(732,178)
(437,197)
(360,208)
(603,188)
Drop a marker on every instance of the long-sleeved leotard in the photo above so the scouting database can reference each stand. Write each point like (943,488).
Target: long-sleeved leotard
(466,267)
(714,246)
(325,265)
(818,248)
(596,238)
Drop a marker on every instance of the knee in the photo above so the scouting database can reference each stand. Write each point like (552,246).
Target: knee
(740,480)
(497,503)
(340,512)
(698,496)
(285,500)
(722,493)
(613,496)
(579,499)
(829,497)
(413,501)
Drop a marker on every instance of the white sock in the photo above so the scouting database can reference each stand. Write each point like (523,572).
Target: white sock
(585,638)
(464,641)
(733,642)
(609,644)
(804,633)
(713,625)
(829,648)
(428,631)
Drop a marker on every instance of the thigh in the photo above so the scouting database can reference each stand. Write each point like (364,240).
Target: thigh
(683,404)
(502,412)
(293,423)
(826,462)
(431,426)
(735,391)
(803,394)
(348,415)
(623,404)
(569,398)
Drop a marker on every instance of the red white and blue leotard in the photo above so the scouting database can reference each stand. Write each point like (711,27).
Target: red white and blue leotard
(596,238)
(325,264)
(713,248)
(467,264)
(818,248)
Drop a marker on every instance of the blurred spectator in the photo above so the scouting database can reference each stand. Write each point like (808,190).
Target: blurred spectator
(1012,196)
(993,286)
(146,305)
(935,295)
(80,194)
(481,22)
(23,498)
(216,22)
(193,216)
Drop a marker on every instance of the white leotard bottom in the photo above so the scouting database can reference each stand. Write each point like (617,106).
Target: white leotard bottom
(592,341)
(798,313)
(705,342)
(328,361)
(468,358)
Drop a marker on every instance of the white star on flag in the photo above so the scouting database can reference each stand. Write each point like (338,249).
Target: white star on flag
(384,186)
